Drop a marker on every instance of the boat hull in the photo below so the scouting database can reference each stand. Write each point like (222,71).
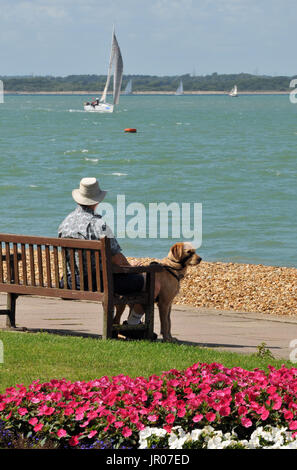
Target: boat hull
(99,108)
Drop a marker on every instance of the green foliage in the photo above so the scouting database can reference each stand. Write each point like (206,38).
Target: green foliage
(213,82)
(263,352)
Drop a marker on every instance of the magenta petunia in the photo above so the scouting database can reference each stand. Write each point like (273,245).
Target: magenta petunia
(170,419)
(210,416)
(33,421)
(126,431)
(73,441)
(197,418)
(246,422)
(61,433)
(38,427)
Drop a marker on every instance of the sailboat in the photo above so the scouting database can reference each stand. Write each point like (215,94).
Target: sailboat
(180,89)
(128,89)
(233,92)
(100,105)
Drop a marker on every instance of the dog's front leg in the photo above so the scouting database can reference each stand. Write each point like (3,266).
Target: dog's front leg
(164,320)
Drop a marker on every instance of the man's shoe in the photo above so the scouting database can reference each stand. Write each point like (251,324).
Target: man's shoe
(136,334)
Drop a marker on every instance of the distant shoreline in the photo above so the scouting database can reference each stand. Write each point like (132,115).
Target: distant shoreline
(96,93)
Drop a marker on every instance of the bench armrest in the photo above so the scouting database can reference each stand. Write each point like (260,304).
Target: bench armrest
(154,268)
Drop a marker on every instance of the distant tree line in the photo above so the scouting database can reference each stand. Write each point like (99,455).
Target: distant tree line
(213,82)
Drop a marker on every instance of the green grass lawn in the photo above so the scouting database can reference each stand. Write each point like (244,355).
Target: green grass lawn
(44,356)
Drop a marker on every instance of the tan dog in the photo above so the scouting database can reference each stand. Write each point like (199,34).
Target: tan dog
(180,256)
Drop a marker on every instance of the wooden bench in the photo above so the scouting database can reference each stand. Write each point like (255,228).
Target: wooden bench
(35,265)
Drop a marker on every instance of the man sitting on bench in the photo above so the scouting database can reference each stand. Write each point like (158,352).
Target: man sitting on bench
(83,223)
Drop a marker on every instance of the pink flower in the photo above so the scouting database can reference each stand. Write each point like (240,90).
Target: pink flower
(288,414)
(61,433)
(73,441)
(110,419)
(225,411)
(293,425)
(22,411)
(140,426)
(126,431)
(91,434)
(181,412)
(152,418)
(49,411)
(247,423)
(210,416)
(265,415)
(119,424)
(33,421)
(38,427)
(197,418)
(170,419)
(242,410)
(167,428)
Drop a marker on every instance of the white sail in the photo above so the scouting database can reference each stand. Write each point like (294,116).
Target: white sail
(180,89)
(118,70)
(234,92)
(115,61)
(128,89)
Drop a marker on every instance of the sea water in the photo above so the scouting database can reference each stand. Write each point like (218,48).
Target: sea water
(235,156)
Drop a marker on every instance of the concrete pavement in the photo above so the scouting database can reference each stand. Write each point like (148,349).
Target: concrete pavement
(226,330)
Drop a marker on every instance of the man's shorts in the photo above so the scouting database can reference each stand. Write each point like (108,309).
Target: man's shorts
(123,283)
(128,283)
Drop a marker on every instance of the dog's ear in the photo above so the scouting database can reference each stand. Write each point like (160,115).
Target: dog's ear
(177,250)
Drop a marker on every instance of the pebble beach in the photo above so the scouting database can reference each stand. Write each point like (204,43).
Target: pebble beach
(239,287)
(227,286)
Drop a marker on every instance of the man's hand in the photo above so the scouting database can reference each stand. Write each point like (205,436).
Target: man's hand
(136,262)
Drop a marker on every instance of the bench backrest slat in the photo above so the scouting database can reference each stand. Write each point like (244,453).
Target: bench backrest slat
(24,264)
(15,263)
(48,267)
(56,265)
(40,266)
(81,271)
(32,265)
(8,265)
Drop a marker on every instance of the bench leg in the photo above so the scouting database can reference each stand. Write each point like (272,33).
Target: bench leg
(108,313)
(11,305)
(149,308)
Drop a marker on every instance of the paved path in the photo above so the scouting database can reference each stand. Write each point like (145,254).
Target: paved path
(226,330)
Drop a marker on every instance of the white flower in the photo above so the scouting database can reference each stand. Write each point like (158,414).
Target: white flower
(214,443)
(195,434)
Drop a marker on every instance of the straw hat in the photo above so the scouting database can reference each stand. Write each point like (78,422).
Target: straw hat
(89,192)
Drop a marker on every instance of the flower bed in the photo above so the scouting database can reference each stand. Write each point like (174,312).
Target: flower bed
(117,412)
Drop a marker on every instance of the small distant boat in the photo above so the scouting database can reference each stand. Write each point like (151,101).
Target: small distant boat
(234,92)
(128,89)
(180,89)
(100,105)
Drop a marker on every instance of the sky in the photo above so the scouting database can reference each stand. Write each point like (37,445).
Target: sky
(156,37)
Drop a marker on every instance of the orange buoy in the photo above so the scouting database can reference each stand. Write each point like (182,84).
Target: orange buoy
(129,129)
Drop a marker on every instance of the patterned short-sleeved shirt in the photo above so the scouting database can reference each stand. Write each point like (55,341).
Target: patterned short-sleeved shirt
(83,223)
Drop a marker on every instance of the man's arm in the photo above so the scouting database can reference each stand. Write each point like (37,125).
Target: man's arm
(120,260)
